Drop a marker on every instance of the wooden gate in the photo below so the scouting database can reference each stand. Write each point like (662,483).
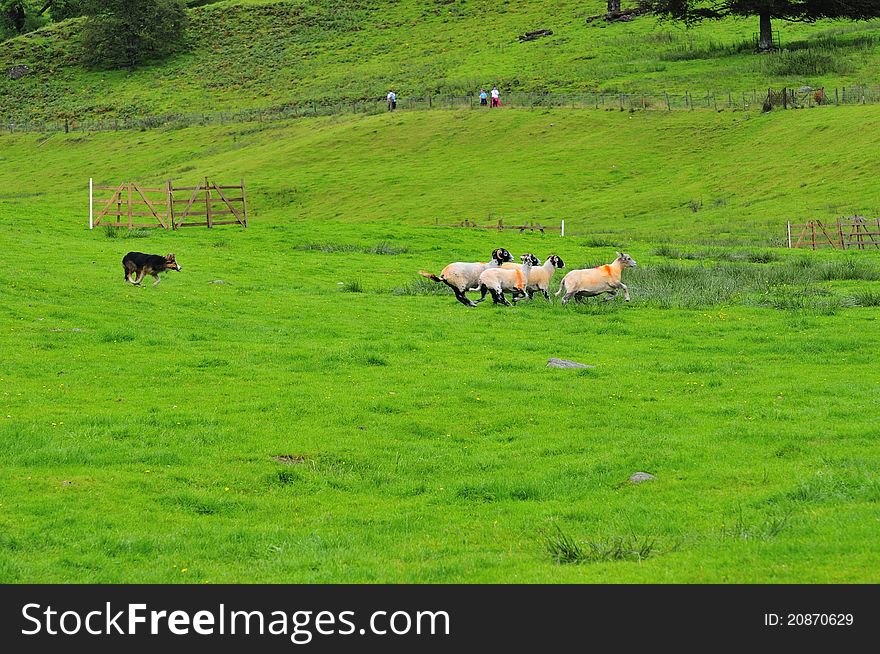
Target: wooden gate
(169,207)
(130,202)
(855,232)
(200,203)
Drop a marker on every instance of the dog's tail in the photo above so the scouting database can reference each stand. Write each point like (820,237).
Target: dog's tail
(431,276)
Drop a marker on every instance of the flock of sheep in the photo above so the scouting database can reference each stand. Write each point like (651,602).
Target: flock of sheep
(529,277)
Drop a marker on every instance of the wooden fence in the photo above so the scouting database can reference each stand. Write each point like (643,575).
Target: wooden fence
(500,226)
(855,232)
(170,207)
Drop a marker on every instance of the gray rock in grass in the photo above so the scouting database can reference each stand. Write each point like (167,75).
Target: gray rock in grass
(639,477)
(17,72)
(553,362)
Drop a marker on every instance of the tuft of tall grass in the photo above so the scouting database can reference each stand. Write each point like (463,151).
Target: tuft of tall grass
(711,50)
(865,299)
(600,242)
(422,286)
(751,256)
(120,232)
(564,549)
(766,529)
(352,286)
(383,248)
(803,63)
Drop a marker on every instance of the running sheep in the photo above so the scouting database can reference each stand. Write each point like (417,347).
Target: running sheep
(595,281)
(515,280)
(540,276)
(462,277)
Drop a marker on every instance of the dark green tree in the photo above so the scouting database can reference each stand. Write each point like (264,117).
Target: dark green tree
(125,33)
(63,9)
(13,15)
(694,11)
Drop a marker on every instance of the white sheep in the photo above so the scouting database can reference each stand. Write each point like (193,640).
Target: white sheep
(462,277)
(540,276)
(515,280)
(588,282)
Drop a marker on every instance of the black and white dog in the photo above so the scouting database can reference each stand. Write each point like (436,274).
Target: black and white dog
(140,264)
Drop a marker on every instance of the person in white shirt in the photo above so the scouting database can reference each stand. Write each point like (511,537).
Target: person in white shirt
(392,100)
(496,97)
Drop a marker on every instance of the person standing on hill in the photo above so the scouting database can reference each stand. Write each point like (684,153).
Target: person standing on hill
(484,98)
(496,97)
(392,100)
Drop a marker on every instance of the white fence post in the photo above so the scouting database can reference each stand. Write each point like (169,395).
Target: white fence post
(91,223)
(562,229)
(789,234)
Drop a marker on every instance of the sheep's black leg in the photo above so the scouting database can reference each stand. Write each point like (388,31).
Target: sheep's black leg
(461,297)
(500,296)
(611,295)
(546,294)
(483,291)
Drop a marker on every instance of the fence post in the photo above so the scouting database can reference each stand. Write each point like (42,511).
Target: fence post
(208,205)
(244,203)
(668,108)
(91,222)
(169,194)
(789,234)
(836,97)
(562,229)
(129,205)
(785,98)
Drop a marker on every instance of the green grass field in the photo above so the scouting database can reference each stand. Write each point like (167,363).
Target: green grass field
(325,415)
(262,54)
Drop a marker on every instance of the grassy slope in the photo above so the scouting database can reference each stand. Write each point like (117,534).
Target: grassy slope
(629,175)
(438,446)
(260,54)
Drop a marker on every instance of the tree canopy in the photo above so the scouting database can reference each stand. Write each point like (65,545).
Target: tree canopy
(694,11)
(125,33)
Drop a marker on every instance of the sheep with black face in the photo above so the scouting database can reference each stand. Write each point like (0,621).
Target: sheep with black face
(540,276)
(462,277)
(498,280)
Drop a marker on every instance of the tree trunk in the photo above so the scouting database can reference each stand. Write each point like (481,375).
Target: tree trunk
(765,41)
(613,6)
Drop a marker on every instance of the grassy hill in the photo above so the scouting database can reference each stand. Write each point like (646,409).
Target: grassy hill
(326,415)
(650,176)
(258,54)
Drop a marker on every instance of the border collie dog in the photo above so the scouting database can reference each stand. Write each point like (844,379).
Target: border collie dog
(140,264)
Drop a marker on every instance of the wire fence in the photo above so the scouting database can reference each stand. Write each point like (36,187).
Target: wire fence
(755,100)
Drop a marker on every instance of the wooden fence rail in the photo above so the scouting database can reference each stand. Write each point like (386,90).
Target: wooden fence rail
(500,226)
(855,232)
(129,202)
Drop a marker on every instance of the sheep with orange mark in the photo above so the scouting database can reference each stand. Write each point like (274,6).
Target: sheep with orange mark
(595,281)
(515,280)
(462,277)
(540,276)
